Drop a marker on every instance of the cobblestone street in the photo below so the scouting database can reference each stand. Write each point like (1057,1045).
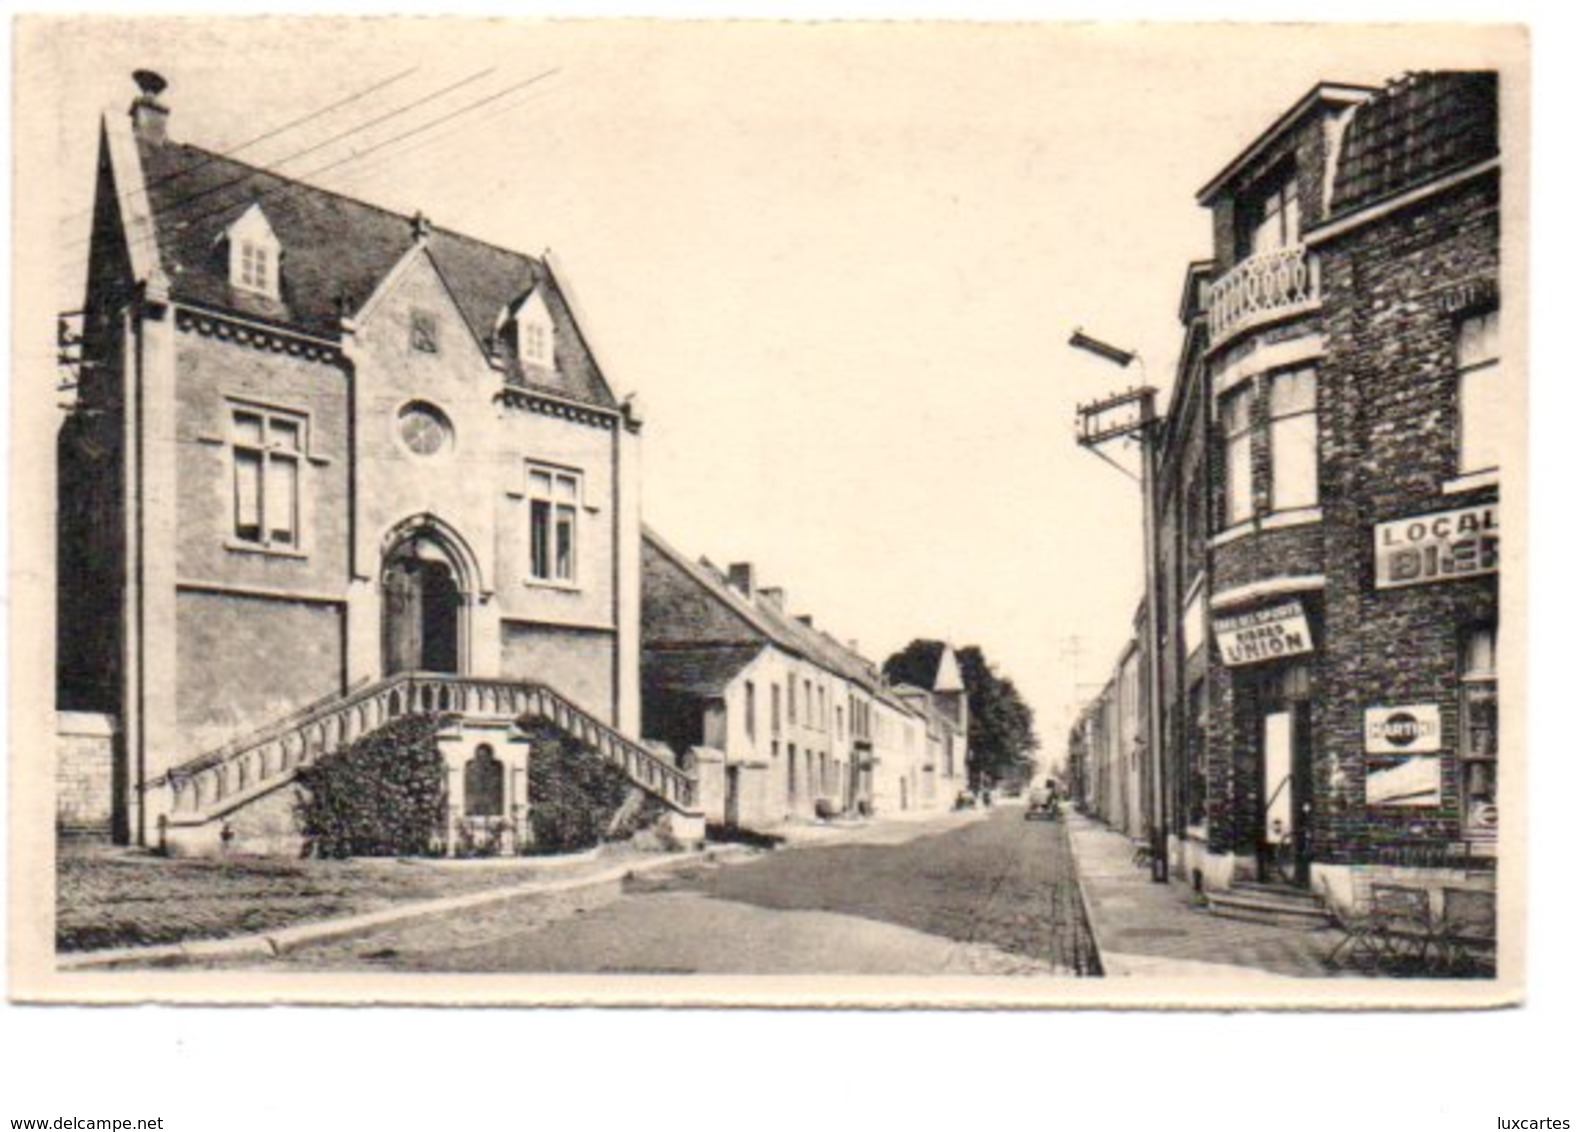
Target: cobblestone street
(951,895)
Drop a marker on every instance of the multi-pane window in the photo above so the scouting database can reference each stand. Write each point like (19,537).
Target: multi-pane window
(535,342)
(1237,424)
(553,497)
(1275,220)
(1477,360)
(252,268)
(1292,438)
(1479,732)
(266,454)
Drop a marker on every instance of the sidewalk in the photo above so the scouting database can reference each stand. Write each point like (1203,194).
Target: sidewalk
(1154,930)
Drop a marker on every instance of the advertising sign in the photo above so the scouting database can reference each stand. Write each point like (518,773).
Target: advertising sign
(1440,547)
(1264,634)
(1409,780)
(1411,729)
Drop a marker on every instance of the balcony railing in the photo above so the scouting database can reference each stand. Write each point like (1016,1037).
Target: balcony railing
(1262,288)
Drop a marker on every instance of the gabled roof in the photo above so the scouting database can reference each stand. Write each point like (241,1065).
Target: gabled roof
(1324,94)
(335,251)
(773,625)
(703,671)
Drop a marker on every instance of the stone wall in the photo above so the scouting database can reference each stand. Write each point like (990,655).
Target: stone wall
(85,775)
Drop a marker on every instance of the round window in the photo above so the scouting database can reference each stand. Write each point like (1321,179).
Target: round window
(424,428)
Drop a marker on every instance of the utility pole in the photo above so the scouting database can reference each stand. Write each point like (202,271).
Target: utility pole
(1132,415)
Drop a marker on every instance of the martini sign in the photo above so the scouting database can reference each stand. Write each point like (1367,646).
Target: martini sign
(1411,729)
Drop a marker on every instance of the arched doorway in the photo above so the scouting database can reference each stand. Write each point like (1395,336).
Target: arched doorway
(423,606)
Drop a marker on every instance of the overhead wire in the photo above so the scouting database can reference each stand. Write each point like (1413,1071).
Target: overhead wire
(257,139)
(182,201)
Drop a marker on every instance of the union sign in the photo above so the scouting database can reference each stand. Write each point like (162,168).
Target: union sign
(1264,634)
(1410,729)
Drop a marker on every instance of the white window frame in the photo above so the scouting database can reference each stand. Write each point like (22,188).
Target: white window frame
(553,558)
(1285,428)
(1239,440)
(267,454)
(1478,680)
(1478,455)
(254,254)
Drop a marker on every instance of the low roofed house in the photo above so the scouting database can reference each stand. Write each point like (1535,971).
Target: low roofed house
(781,719)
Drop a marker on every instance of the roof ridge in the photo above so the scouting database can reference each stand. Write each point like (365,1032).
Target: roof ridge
(216,158)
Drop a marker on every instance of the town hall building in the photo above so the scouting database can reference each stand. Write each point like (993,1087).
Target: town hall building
(327,465)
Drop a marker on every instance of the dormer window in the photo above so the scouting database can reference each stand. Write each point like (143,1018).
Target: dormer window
(528,328)
(535,343)
(255,273)
(254,254)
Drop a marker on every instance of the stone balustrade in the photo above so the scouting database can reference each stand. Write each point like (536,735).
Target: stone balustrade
(213,783)
(1262,288)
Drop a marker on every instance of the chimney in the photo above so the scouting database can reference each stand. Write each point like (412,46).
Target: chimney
(742,578)
(149,115)
(805,619)
(774,596)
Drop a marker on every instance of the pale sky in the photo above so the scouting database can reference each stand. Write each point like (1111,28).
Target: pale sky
(838,264)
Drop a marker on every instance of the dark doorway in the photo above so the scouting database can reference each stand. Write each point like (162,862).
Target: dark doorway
(422,611)
(1284,738)
(484,784)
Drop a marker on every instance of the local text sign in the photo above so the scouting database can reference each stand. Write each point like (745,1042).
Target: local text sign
(1437,548)
(1410,729)
(1264,634)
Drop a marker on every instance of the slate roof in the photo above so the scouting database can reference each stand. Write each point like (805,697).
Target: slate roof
(335,251)
(1417,129)
(702,671)
(775,627)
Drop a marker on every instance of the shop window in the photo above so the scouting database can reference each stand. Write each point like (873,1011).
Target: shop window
(1479,732)
(553,498)
(1237,423)
(266,456)
(1477,364)
(1197,755)
(1292,439)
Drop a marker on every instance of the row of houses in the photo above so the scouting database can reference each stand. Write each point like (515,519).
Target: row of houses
(329,465)
(1328,492)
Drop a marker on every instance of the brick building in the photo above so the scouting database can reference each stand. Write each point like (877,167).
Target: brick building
(329,465)
(1328,498)
(780,718)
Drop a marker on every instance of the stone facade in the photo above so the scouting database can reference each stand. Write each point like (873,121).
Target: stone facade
(388,450)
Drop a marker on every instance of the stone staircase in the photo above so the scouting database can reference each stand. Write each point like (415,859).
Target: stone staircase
(205,789)
(1269,904)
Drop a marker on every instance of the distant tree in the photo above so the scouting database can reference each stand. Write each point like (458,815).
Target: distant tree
(1002,741)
